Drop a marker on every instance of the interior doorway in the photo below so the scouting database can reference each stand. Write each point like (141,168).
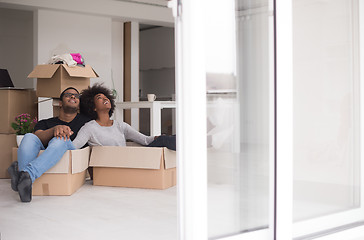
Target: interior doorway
(156,73)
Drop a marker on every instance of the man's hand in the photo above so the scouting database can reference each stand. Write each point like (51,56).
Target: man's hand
(62,131)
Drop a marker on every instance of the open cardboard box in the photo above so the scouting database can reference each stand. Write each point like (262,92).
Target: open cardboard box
(52,79)
(7,142)
(64,178)
(14,102)
(131,166)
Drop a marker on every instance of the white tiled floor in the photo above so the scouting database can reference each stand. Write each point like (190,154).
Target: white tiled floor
(92,212)
(237,200)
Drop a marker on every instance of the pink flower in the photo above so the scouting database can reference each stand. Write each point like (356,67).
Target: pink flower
(23,123)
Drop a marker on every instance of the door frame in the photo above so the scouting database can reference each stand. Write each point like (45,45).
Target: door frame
(191,115)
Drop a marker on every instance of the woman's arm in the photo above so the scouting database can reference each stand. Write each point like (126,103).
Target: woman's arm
(132,134)
(82,137)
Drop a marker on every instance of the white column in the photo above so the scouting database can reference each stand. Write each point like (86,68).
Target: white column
(155,119)
(191,120)
(135,73)
(117,64)
(284,118)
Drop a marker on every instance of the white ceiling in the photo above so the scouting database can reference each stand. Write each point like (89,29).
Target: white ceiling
(160,3)
(150,12)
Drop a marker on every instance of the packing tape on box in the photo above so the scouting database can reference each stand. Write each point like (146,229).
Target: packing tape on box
(45,188)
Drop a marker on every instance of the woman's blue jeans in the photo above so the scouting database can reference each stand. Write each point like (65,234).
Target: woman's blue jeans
(29,161)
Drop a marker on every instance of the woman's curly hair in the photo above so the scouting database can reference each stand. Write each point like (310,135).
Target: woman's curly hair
(87,103)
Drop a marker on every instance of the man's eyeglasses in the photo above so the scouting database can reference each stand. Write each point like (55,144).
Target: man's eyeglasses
(69,95)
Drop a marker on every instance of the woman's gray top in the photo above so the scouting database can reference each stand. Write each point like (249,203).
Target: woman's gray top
(115,135)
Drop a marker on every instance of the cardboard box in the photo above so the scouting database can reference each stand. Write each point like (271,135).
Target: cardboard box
(13,103)
(52,79)
(138,167)
(66,177)
(7,142)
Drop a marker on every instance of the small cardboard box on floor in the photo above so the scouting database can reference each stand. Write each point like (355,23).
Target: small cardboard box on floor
(52,79)
(7,142)
(64,178)
(14,102)
(138,167)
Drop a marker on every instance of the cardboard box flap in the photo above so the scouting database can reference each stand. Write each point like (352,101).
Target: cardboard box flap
(75,160)
(78,159)
(169,158)
(126,157)
(44,71)
(62,166)
(86,71)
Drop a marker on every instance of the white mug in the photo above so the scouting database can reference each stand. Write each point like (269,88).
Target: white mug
(151,97)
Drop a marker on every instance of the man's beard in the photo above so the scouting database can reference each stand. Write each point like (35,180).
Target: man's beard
(69,110)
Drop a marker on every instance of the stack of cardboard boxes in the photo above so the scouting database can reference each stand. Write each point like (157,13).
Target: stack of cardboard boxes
(70,172)
(132,166)
(13,102)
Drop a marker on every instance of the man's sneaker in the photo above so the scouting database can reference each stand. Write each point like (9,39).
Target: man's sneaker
(14,175)
(25,187)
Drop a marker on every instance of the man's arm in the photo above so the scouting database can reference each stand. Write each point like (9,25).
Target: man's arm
(59,131)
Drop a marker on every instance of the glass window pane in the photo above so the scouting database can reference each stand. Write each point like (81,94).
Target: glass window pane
(239,63)
(326,107)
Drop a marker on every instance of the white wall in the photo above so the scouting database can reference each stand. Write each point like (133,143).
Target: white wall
(16,45)
(117,63)
(62,32)
(98,39)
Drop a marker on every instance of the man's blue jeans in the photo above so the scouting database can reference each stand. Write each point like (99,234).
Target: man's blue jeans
(28,151)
